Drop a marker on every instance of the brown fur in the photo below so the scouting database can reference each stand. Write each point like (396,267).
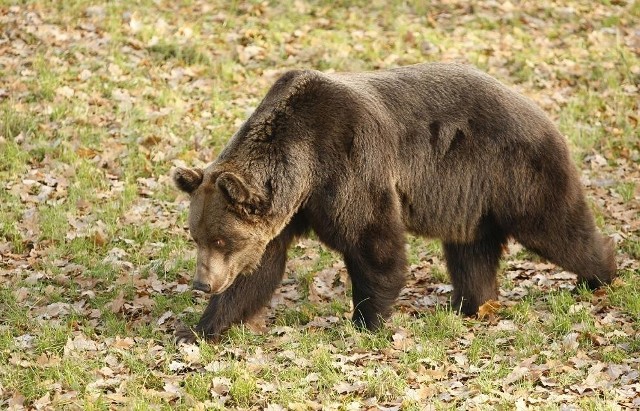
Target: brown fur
(438,150)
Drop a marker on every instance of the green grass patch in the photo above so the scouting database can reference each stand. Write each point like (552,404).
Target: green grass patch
(99,102)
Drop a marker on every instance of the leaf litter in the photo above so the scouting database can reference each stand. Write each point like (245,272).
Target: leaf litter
(90,92)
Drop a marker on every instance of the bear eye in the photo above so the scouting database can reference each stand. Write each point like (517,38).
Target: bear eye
(218,243)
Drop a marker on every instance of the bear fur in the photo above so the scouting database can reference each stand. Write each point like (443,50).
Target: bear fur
(437,150)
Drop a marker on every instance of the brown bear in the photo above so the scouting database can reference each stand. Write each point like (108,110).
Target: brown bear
(438,150)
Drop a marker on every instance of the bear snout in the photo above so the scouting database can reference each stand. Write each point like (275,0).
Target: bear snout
(197,285)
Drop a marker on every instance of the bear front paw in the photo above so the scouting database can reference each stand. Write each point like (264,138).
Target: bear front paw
(184,334)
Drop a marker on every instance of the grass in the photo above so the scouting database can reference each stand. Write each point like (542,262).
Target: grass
(99,102)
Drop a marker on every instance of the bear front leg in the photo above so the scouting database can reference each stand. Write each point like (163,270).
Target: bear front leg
(377,267)
(247,294)
(240,301)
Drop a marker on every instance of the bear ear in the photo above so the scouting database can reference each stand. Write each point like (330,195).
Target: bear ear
(188,179)
(242,196)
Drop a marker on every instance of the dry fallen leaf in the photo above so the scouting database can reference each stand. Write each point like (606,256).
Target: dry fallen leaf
(123,343)
(345,387)
(326,286)
(401,340)
(489,309)
(117,303)
(97,104)
(570,341)
(421,394)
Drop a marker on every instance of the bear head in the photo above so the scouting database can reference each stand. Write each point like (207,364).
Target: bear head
(225,221)
(247,196)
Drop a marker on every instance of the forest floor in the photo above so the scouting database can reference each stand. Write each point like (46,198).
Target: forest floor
(99,103)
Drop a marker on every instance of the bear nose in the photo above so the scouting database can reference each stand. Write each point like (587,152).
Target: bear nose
(197,285)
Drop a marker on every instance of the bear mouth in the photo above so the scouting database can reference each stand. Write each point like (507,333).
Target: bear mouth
(222,287)
(197,285)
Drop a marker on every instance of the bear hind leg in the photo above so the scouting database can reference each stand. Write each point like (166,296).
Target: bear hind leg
(473,269)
